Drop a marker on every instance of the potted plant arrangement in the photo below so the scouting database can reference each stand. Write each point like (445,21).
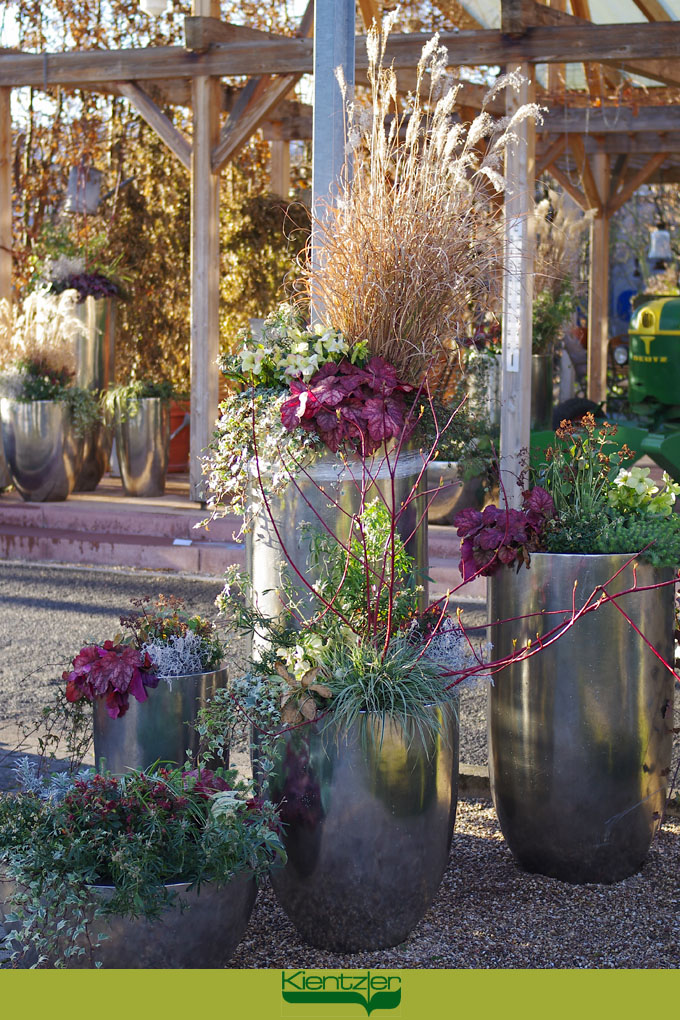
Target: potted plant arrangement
(152,870)
(45,417)
(167,656)
(62,262)
(325,448)
(580,728)
(140,412)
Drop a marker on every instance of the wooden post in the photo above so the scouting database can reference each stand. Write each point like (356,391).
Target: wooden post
(5,195)
(598,287)
(334,45)
(205,266)
(279,167)
(517,292)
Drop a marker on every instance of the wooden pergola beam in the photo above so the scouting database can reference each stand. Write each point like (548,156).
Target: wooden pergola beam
(371,11)
(539,14)
(548,45)
(617,175)
(635,182)
(571,189)
(651,9)
(553,152)
(590,188)
(611,120)
(155,118)
(233,136)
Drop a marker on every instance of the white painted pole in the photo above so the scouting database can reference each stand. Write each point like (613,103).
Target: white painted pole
(205,267)
(517,293)
(5,195)
(334,22)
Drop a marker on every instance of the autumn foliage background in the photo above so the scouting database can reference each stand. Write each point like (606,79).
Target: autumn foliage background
(146,210)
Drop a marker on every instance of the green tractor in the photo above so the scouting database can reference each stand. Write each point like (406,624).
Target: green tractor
(653,427)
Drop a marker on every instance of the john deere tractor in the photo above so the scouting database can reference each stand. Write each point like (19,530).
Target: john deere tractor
(653,427)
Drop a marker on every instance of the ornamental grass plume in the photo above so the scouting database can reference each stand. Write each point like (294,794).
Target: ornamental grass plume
(415,238)
(43,329)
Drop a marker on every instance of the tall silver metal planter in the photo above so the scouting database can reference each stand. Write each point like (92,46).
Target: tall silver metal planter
(541,391)
(143,446)
(95,359)
(159,729)
(41,449)
(580,735)
(330,493)
(369,817)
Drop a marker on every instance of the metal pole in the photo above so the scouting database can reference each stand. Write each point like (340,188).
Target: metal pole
(334,22)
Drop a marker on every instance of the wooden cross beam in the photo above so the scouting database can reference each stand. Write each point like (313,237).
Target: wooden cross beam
(568,43)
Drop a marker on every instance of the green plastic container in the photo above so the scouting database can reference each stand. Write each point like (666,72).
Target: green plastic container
(654,355)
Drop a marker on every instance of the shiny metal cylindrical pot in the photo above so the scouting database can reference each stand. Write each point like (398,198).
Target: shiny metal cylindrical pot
(541,391)
(143,445)
(96,452)
(368,819)
(204,934)
(95,343)
(454,493)
(158,729)
(580,734)
(42,450)
(5,475)
(330,491)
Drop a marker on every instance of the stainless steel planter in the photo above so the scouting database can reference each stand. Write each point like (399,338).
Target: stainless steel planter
(5,476)
(204,934)
(454,495)
(95,345)
(330,480)
(541,391)
(368,824)
(159,729)
(42,451)
(142,445)
(95,359)
(580,735)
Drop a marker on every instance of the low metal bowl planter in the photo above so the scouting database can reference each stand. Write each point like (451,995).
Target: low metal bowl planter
(368,820)
(158,729)
(42,451)
(201,930)
(143,445)
(580,735)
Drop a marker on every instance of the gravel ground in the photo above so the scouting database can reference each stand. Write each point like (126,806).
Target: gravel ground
(487,914)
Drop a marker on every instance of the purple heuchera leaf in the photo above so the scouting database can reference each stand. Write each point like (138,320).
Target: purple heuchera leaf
(348,405)
(496,537)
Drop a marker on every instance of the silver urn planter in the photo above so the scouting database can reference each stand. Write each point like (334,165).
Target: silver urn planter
(42,451)
(143,446)
(368,820)
(326,496)
(580,735)
(95,359)
(158,729)
(200,930)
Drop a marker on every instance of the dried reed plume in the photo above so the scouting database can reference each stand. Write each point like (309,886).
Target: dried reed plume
(43,329)
(414,239)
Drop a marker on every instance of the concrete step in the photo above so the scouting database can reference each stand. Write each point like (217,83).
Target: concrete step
(107,528)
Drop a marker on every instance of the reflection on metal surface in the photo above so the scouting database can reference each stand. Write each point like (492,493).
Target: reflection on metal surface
(204,934)
(580,735)
(95,346)
(96,453)
(159,729)
(335,505)
(42,451)
(541,391)
(369,817)
(143,444)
